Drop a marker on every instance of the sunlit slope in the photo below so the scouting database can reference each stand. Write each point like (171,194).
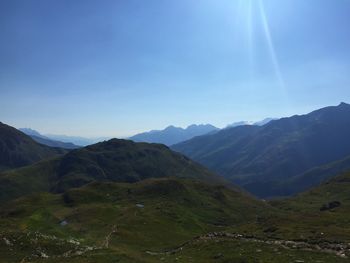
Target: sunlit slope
(322,213)
(109,161)
(155,220)
(151,215)
(336,189)
(258,158)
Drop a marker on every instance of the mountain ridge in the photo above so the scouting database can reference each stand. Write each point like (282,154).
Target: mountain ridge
(38,137)
(171,134)
(63,141)
(252,155)
(115,160)
(18,149)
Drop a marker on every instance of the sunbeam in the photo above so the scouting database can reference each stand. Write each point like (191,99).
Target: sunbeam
(271,47)
(250,32)
(276,66)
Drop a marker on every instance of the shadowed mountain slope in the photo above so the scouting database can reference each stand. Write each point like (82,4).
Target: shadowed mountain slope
(313,177)
(258,158)
(140,202)
(18,149)
(110,161)
(319,199)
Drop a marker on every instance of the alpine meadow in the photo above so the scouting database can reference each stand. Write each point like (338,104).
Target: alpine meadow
(174,131)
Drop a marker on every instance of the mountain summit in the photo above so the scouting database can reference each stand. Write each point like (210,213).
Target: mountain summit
(172,135)
(115,160)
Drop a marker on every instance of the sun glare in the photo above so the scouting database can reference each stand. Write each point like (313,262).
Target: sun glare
(272,50)
(252,15)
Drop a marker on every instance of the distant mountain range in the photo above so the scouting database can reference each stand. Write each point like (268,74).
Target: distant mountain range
(169,136)
(36,136)
(18,149)
(172,135)
(148,201)
(77,140)
(261,157)
(63,141)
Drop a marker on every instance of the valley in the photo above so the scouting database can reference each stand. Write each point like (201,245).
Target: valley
(174,131)
(262,158)
(121,201)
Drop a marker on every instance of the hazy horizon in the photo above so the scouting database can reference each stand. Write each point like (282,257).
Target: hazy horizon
(164,127)
(117,68)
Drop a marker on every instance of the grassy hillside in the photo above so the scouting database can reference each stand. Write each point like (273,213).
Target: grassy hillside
(322,213)
(181,216)
(110,161)
(18,149)
(154,215)
(155,220)
(335,189)
(316,175)
(120,201)
(259,158)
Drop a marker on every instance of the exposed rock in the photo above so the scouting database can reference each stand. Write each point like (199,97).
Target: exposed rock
(330,205)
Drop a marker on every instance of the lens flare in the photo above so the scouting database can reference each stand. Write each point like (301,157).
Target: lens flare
(270,44)
(250,32)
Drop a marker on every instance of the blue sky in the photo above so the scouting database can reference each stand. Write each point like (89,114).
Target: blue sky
(114,68)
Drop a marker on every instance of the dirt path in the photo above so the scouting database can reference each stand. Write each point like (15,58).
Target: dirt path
(339,249)
(108,237)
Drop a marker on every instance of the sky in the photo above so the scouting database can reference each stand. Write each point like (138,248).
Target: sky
(118,67)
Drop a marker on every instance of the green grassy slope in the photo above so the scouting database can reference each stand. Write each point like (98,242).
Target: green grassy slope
(18,149)
(335,189)
(155,220)
(316,175)
(316,214)
(154,214)
(110,161)
(171,220)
